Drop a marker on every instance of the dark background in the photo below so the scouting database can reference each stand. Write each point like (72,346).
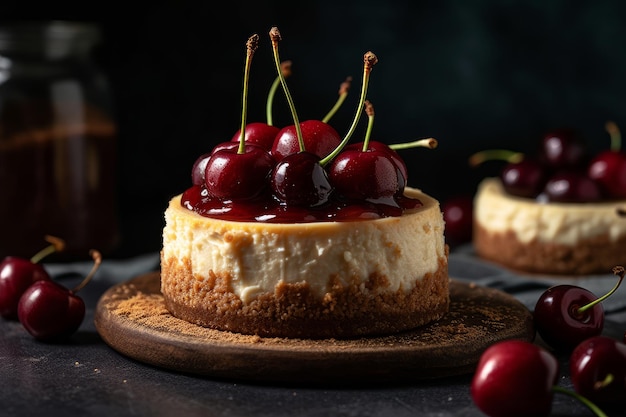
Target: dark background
(473,74)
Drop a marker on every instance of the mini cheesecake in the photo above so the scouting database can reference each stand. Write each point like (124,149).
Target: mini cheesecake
(547,238)
(322,279)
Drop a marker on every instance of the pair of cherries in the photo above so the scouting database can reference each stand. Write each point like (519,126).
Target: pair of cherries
(47,310)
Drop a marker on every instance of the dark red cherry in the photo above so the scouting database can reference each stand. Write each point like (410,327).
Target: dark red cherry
(319,138)
(365,175)
(231,175)
(559,320)
(515,378)
(17,274)
(458,217)
(525,178)
(571,187)
(48,310)
(198,169)
(299,179)
(563,149)
(258,133)
(598,371)
(380,146)
(51,312)
(608,169)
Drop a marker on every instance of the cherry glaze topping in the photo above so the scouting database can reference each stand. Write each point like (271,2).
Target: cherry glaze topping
(268,209)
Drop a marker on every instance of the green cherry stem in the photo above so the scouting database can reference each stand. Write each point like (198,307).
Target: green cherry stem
(495,154)
(251,46)
(615,135)
(275,37)
(430,143)
(620,272)
(56,245)
(285,70)
(97,260)
(590,405)
(369,60)
(344,89)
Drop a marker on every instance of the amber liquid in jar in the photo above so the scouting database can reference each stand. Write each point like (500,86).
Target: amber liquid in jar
(57,150)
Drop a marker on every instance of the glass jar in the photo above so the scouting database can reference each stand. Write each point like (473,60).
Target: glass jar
(57,141)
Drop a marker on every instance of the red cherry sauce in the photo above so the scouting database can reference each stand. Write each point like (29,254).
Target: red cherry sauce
(270,210)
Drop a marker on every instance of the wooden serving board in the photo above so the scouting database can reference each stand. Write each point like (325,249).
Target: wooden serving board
(132,319)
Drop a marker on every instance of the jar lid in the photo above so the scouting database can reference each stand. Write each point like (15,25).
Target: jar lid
(54,39)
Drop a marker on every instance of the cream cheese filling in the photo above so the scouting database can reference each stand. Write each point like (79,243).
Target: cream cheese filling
(562,223)
(259,256)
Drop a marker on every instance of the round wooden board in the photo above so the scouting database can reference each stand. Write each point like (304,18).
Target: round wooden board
(132,319)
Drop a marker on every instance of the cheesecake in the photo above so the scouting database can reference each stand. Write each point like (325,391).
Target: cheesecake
(314,279)
(547,237)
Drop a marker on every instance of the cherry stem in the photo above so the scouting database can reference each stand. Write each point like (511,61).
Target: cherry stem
(344,89)
(608,379)
(275,37)
(495,154)
(619,271)
(285,69)
(97,260)
(251,46)
(430,143)
(369,60)
(594,408)
(56,245)
(369,110)
(616,136)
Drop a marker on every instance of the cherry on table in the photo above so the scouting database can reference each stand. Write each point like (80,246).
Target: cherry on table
(51,312)
(565,315)
(515,378)
(458,217)
(17,274)
(598,371)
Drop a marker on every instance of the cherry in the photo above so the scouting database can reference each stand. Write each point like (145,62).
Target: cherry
(238,175)
(608,168)
(17,274)
(563,149)
(515,378)
(565,315)
(258,133)
(51,312)
(522,176)
(518,378)
(319,138)
(526,178)
(299,179)
(571,187)
(598,371)
(458,217)
(369,175)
